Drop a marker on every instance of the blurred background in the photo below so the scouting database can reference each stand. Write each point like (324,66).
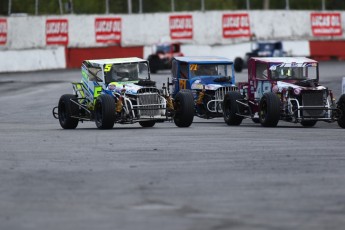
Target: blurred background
(44,7)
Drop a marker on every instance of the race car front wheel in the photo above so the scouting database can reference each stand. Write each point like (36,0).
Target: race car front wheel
(231,109)
(66,109)
(184,108)
(269,110)
(105,112)
(341,107)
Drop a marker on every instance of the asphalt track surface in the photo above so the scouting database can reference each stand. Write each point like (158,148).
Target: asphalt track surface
(206,177)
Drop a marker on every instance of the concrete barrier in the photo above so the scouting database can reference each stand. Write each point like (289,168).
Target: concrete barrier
(32,59)
(146,29)
(27,37)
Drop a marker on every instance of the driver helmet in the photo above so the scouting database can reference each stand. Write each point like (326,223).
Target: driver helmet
(111,86)
(288,72)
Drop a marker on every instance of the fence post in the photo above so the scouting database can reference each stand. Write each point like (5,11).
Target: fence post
(9,7)
(106,6)
(60,5)
(129,2)
(172,5)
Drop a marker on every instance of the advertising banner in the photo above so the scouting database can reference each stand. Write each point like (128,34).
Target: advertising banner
(3,31)
(326,24)
(181,26)
(108,30)
(236,25)
(57,32)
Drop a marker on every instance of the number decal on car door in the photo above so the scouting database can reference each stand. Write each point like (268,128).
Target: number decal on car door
(183,84)
(97,91)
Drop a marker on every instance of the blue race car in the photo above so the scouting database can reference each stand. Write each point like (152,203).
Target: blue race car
(209,79)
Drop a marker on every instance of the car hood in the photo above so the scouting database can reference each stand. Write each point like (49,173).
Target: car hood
(282,85)
(209,82)
(131,87)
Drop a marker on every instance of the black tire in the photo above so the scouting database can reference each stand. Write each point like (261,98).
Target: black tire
(341,107)
(269,110)
(184,108)
(231,109)
(66,109)
(308,123)
(147,124)
(256,120)
(154,63)
(238,64)
(105,112)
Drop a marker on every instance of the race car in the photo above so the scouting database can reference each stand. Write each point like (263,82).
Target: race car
(162,54)
(120,91)
(287,89)
(209,78)
(260,49)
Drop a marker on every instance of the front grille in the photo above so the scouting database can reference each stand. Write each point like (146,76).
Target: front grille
(148,90)
(149,104)
(313,98)
(220,93)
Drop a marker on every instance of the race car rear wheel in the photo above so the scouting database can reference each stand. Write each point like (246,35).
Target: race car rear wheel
(67,109)
(269,110)
(231,109)
(147,124)
(238,64)
(308,123)
(341,107)
(154,63)
(184,108)
(105,112)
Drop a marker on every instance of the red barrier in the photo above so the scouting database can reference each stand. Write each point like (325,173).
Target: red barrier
(326,50)
(75,56)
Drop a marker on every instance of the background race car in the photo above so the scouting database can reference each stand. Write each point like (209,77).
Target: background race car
(209,78)
(162,55)
(260,49)
(120,91)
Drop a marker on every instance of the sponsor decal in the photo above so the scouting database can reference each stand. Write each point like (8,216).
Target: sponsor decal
(236,25)
(57,32)
(181,26)
(3,31)
(326,24)
(108,30)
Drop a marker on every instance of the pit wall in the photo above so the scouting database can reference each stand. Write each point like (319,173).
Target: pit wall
(25,40)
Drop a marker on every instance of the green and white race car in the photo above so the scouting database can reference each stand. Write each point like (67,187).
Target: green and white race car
(120,91)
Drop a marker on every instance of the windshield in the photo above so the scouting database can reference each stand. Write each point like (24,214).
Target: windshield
(126,72)
(163,48)
(293,71)
(266,46)
(219,70)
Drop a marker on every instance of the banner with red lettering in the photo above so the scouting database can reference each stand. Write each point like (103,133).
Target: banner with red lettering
(181,26)
(3,31)
(236,25)
(108,30)
(326,24)
(57,32)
